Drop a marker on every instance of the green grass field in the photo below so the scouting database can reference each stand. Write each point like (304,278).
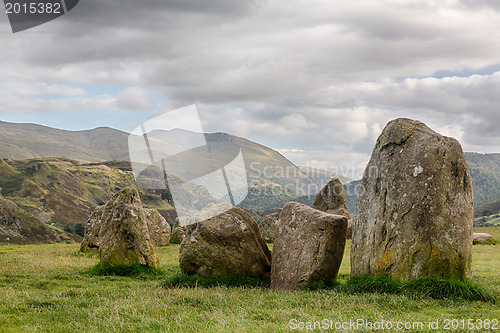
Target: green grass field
(49,288)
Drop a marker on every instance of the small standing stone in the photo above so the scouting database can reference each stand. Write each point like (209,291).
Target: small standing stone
(90,242)
(308,246)
(332,200)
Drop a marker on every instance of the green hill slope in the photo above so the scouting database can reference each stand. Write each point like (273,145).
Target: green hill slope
(19,227)
(62,192)
(488,209)
(485,173)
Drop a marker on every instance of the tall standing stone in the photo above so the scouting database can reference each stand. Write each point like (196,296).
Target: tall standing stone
(414,212)
(124,237)
(308,246)
(332,200)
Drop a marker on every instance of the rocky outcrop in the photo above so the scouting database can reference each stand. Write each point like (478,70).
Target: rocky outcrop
(332,200)
(124,237)
(227,244)
(308,246)
(482,237)
(414,212)
(268,226)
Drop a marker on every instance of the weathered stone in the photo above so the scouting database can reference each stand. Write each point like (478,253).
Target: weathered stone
(184,224)
(124,235)
(348,234)
(482,237)
(414,212)
(332,200)
(308,246)
(159,229)
(227,244)
(178,232)
(90,242)
(268,226)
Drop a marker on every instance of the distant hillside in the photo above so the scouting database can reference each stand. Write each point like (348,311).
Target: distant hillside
(488,209)
(19,141)
(19,227)
(263,164)
(485,173)
(62,192)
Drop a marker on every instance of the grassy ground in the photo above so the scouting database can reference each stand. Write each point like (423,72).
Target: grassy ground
(48,289)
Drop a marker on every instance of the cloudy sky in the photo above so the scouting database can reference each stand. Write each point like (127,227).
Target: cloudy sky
(315,79)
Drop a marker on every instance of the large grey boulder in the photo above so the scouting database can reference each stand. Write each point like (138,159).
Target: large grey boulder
(308,246)
(414,212)
(268,226)
(227,244)
(482,237)
(332,200)
(124,236)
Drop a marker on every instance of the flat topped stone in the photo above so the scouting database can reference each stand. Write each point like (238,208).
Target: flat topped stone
(308,246)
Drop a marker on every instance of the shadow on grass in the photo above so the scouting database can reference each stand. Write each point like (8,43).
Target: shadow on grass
(134,270)
(425,287)
(435,288)
(193,281)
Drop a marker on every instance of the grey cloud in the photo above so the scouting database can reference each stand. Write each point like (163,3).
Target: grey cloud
(290,74)
(480,4)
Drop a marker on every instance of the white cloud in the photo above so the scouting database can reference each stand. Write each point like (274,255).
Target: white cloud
(308,75)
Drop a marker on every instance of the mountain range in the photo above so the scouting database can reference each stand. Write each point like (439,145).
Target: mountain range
(57,177)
